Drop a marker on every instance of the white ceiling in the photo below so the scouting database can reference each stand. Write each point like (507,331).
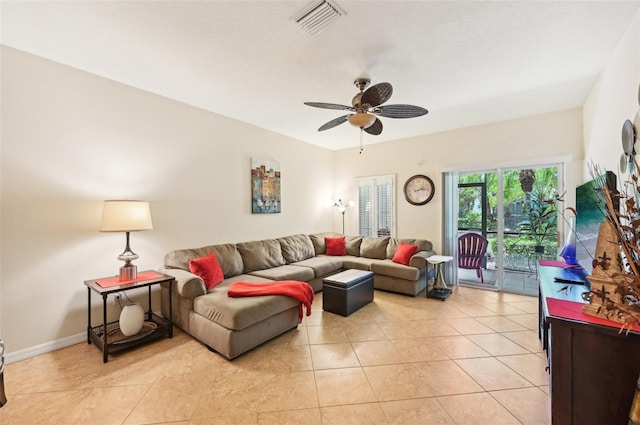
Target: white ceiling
(467,62)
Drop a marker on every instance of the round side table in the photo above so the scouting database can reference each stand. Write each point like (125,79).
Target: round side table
(439,290)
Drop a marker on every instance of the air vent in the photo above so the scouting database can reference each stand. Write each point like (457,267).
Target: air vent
(316,16)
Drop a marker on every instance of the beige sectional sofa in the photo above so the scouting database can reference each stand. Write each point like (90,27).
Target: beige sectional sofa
(232,326)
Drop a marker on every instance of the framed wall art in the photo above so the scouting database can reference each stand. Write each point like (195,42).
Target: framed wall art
(265,186)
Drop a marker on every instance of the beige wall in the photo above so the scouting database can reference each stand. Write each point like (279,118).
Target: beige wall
(71,139)
(613,100)
(536,140)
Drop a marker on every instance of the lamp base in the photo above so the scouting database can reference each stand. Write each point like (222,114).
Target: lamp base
(128,272)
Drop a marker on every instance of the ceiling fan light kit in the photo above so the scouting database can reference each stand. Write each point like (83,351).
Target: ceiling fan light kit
(366,107)
(362,120)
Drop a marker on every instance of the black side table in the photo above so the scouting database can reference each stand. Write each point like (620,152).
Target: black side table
(107,335)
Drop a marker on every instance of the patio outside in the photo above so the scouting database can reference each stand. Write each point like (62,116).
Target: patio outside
(529,225)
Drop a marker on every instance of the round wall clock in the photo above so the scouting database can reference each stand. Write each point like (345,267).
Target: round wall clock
(419,189)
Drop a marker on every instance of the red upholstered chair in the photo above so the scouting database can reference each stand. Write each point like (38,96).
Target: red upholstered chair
(472,249)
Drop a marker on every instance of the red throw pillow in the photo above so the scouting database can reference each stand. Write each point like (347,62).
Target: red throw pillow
(404,253)
(336,246)
(208,268)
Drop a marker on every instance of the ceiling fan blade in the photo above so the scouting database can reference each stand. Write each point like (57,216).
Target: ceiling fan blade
(400,111)
(377,94)
(375,128)
(334,122)
(329,106)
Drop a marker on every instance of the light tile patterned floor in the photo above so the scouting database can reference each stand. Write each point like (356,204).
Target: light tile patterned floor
(473,359)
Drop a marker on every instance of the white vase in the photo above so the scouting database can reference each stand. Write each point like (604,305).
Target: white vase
(131,319)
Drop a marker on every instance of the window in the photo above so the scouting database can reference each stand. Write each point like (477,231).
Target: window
(507,205)
(376,215)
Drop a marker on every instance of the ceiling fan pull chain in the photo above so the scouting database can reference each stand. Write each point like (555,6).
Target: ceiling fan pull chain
(361,140)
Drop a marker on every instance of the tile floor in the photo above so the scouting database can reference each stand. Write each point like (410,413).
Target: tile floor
(473,359)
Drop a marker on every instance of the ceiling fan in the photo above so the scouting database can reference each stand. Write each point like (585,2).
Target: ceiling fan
(366,107)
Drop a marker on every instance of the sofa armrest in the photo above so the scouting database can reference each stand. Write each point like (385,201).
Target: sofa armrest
(187,284)
(419,259)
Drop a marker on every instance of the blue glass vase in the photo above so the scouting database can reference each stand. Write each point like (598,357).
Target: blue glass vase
(568,251)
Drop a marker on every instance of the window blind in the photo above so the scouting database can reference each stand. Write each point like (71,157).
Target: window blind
(376,208)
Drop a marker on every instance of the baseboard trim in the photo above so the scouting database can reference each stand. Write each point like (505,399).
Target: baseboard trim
(44,348)
(47,347)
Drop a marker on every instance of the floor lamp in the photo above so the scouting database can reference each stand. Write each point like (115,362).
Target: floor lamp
(342,207)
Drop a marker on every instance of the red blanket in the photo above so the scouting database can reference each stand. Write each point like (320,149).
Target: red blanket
(301,291)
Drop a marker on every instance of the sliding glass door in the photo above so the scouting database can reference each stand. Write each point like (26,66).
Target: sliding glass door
(513,211)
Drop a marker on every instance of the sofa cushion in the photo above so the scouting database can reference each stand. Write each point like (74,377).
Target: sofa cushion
(353,245)
(286,272)
(335,246)
(404,253)
(360,263)
(391,269)
(227,255)
(296,248)
(322,265)
(240,313)
(208,269)
(187,284)
(245,278)
(317,239)
(260,255)
(392,246)
(374,247)
(419,259)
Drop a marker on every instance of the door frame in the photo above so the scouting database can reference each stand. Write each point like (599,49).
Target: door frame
(450,208)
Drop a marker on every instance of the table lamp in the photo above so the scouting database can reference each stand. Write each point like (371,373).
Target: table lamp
(126,216)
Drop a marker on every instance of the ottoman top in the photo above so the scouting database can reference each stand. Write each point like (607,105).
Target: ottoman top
(349,277)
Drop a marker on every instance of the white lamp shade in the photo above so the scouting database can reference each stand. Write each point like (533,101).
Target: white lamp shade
(126,216)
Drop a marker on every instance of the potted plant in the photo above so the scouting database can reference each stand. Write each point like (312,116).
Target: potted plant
(541,221)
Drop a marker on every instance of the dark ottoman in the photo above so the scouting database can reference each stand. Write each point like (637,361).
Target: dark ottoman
(345,292)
